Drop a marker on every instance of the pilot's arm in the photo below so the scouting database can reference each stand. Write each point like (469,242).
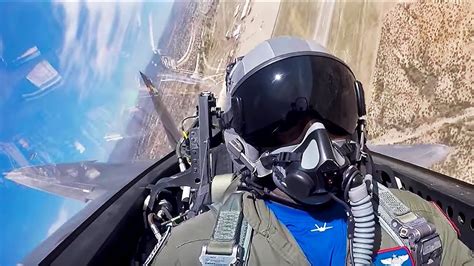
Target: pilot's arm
(455,252)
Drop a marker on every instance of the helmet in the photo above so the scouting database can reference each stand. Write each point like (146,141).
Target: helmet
(283,79)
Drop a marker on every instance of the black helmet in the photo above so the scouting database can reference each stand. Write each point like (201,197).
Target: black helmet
(284,79)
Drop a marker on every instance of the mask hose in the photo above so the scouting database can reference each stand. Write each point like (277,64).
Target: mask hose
(364,228)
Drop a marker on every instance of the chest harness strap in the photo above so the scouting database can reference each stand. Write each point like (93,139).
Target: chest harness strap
(230,241)
(408,229)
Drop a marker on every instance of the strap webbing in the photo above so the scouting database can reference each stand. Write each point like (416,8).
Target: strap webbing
(231,237)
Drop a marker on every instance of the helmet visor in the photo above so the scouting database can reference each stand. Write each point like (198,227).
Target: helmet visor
(277,96)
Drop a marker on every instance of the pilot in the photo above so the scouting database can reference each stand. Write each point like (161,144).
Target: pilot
(305,193)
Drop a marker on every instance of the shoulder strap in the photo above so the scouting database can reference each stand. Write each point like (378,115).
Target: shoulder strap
(230,241)
(408,229)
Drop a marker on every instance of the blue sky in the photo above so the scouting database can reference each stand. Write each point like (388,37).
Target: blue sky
(97,50)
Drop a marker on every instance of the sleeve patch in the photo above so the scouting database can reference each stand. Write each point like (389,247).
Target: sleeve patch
(397,256)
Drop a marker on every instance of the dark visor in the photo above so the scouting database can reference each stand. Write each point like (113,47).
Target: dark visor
(276,96)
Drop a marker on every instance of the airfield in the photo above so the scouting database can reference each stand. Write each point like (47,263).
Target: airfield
(414,59)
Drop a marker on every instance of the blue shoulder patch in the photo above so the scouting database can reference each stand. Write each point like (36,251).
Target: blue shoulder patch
(396,256)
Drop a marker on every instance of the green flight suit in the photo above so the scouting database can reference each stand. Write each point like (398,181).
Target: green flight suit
(273,244)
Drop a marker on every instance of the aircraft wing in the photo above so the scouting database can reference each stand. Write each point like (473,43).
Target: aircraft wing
(424,155)
(170,127)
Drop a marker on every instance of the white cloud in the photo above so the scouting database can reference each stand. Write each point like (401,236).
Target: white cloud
(95,50)
(63,215)
(79,147)
(67,210)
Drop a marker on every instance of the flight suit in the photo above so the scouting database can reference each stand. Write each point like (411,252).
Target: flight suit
(273,244)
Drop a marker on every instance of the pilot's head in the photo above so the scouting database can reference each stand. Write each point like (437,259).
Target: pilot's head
(286,102)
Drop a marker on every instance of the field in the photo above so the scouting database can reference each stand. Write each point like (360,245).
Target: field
(423,82)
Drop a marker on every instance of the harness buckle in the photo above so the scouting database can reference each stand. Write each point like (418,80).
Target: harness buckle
(414,230)
(428,250)
(219,259)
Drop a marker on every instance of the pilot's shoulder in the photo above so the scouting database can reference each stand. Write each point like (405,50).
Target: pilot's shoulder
(420,206)
(412,200)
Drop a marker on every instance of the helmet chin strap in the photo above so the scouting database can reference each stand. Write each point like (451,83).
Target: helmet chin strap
(275,194)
